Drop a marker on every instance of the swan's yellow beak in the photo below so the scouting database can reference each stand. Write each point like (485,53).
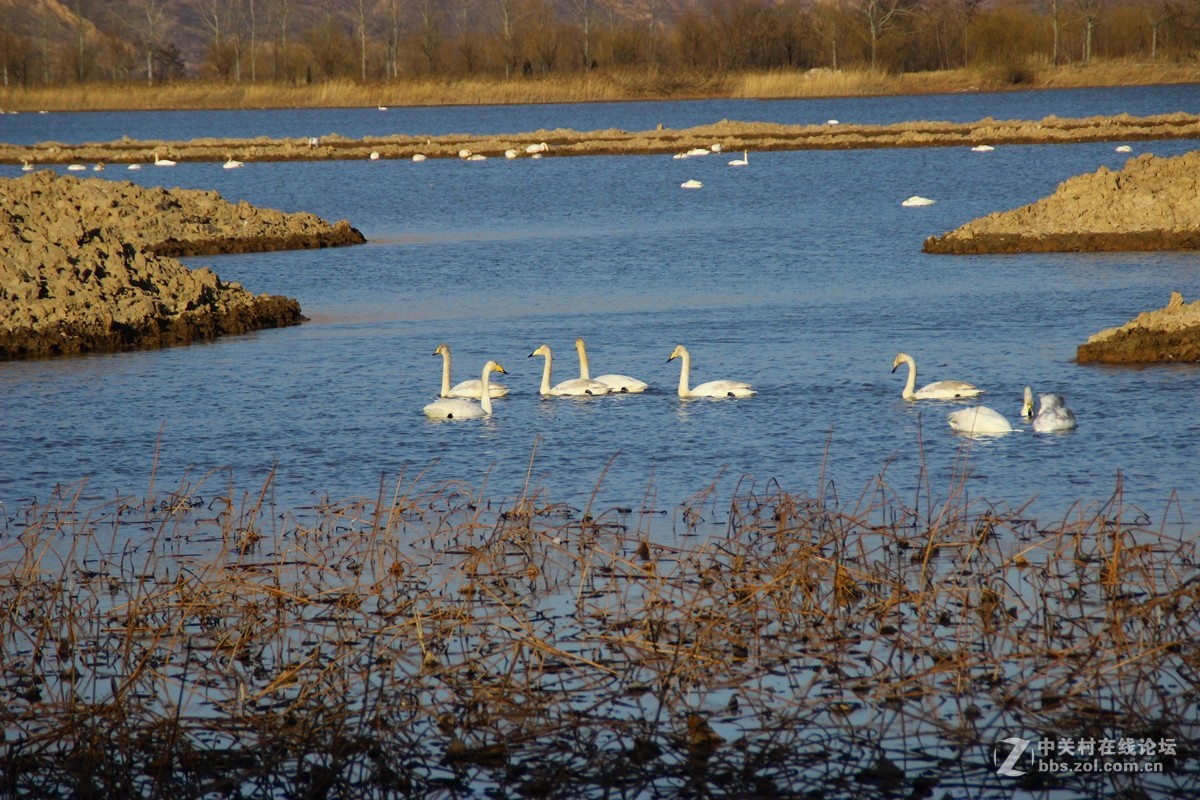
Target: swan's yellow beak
(501,369)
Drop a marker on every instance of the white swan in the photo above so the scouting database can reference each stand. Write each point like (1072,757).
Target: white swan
(1053,414)
(741,162)
(374,155)
(1027,404)
(709,389)
(26,166)
(917,200)
(939,390)
(982,148)
(459,408)
(469,388)
(577,387)
(622,384)
(510,154)
(76,167)
(691,184)
(418,157)
(1124,148)
(162,162)
(978,420)
(232,163)
(98,167)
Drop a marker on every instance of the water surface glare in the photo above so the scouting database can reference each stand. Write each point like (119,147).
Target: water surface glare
(800,273)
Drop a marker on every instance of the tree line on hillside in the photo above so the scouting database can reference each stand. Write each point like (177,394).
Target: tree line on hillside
(56,42)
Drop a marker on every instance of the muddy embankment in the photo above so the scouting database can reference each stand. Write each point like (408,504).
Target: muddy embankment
(1151,204)
(86,265)
(731,135)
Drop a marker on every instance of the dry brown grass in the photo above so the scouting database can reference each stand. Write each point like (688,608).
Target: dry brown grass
(608,85)
(431,641)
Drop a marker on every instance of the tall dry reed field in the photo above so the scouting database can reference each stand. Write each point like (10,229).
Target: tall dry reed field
(430,641)
(613,84)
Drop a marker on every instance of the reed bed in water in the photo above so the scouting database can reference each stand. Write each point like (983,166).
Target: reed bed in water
(429,641)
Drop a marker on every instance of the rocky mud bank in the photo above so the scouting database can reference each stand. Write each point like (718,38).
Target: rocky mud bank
(1151,204)
(86,265)
(731,135)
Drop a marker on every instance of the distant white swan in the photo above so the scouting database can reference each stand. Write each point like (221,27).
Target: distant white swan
(1027,404)
(418,157)
(26,166)
(741,162)
(917,200)
(698,151)
(98,167)
(162,162)
(691,184)
(76,167)
(477,157)
(374,155)
(468,388)
(1053,414)
(1124,148)
(232,163)
(576,387)
(459,408)
(938,390)
(982,148)
(510,153)
(617,383)
(134,166)
(540,147)
(721,388)
(978,420)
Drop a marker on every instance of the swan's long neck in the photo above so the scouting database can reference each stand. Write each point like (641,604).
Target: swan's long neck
(686,358)
(445,374)
(546,375)
(585,371)
(485,393)
(910,388)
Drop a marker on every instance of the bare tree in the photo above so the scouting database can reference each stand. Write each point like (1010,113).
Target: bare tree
(506,16)
(1089,14)
(878,17)
(282,10)
(1055,7)
(148,23)
(362,38)
(585,15)
(1157,12)
(431,21)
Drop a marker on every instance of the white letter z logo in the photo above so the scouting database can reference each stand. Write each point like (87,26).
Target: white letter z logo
(1018,747)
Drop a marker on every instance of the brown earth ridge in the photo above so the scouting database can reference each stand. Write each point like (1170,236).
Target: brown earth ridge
(731,135)
(1151,204)
(86,266)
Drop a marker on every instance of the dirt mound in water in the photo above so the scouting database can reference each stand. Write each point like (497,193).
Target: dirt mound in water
(1167,334)
(1151,204)
(83,265)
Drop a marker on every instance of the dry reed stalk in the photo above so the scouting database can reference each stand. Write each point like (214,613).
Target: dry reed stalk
(793,616)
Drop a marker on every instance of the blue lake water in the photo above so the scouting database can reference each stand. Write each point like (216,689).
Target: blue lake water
(800,273)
